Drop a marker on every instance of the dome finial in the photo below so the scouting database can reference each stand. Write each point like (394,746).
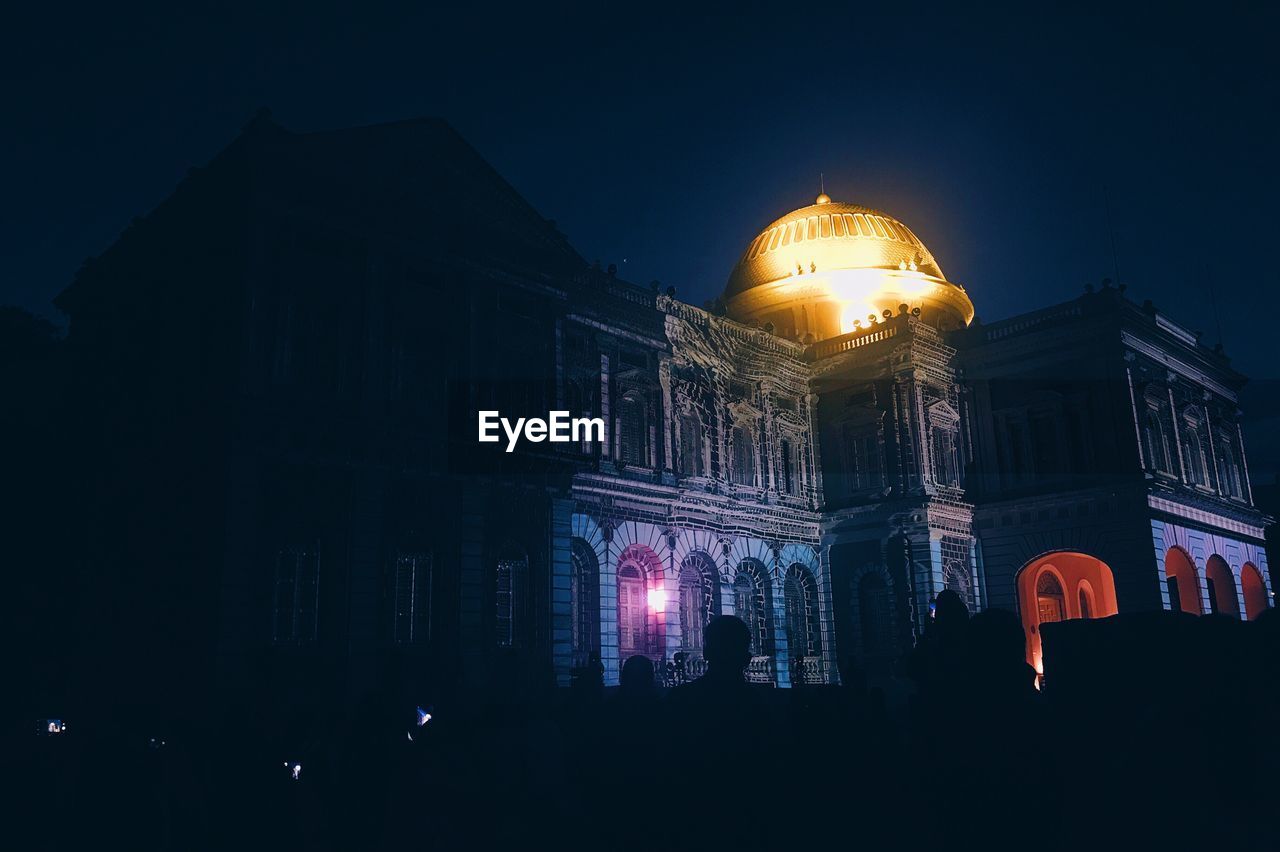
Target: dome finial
(823,198)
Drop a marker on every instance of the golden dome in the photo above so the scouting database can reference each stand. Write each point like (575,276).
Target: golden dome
(819,269)
(828,235)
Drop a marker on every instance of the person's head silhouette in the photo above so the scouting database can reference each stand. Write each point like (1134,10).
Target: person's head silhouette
(637,674)
(950,609)
(726,646)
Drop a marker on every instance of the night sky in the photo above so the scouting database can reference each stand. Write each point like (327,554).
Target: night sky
(1014,145)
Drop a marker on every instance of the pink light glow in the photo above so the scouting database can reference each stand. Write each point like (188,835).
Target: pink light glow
(657,599)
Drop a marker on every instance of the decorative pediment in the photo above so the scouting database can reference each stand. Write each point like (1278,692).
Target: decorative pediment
(942,412)
(791,422)
(744,412)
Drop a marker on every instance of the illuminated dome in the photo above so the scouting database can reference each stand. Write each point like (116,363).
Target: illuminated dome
(824,268)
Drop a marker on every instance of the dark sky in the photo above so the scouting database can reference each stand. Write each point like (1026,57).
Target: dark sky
(662,140)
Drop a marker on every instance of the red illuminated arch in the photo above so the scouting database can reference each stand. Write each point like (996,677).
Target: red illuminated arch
(1255,591)
(1181,581)
(1222,586)
(1053,586)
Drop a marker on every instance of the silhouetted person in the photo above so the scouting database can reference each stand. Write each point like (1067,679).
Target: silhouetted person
(637,677)
(588,681)
(938,659)
(727,650)
(726,736)
(992,741)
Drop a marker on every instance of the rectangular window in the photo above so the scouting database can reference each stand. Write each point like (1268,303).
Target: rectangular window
(1017,450)
(506,576)
(945,465)
(411,607)
(1044,446)
(866,471)
(788,485)
(744,456)
(297,596)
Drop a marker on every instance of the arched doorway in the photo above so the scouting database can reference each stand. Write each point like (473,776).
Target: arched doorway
(1181,581)
(1059,586)
(1051,601)
(1222,587)
(1255,591)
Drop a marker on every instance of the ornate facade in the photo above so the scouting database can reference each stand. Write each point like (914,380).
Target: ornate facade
(820,453)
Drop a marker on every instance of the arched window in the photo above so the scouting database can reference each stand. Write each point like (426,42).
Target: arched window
(744,455)
(1157,442)
(632,628)
(1222,587)
(955,577)
(875,615)
(1050,602)
(800,600)
(1193,452)
(751,603)
(1085,599)
(698,582)
(510,584)
(584,596)
(633,430)
(690,445)
(1229,470)
(1255,591)
(744,605)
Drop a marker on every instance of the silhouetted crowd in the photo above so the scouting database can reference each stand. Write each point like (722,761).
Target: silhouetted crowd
(1158,733)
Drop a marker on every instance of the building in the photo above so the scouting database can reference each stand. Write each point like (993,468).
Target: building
(1109,466)
(281,369)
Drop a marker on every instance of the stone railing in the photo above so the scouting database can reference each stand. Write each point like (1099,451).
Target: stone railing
(807,671)
(852,340)
(762,670)
(685,666)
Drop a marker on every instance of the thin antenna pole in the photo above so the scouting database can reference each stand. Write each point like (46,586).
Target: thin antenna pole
(822,183)
(1213,301)
(1111,229)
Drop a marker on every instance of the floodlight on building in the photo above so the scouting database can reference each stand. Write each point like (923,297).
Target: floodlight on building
(657,599)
